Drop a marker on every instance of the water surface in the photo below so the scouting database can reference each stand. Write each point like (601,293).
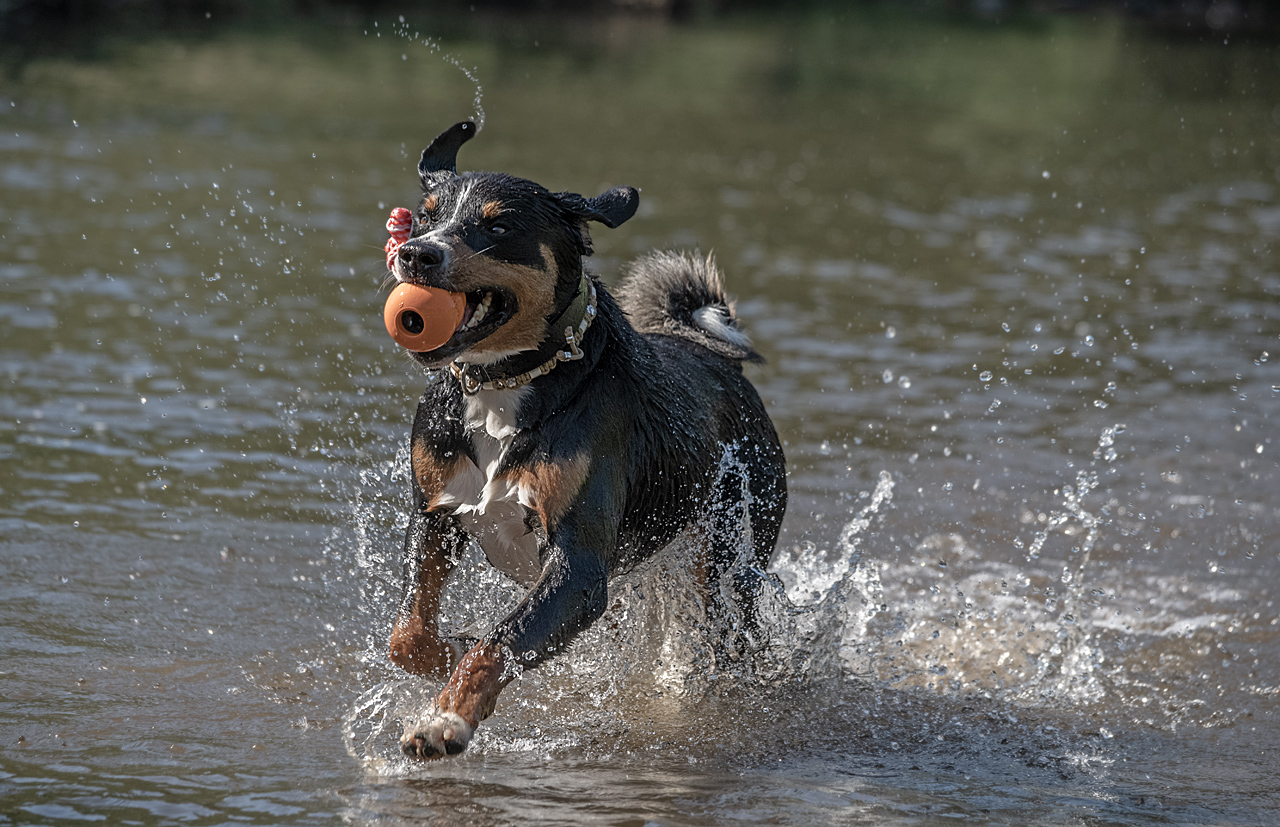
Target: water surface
(1019,293)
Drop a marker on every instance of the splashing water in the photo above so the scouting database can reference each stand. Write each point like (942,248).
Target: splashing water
(831,598)
(1065,668)
(652,655)
(401,29)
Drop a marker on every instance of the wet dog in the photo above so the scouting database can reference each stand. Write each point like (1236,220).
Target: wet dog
(569,434)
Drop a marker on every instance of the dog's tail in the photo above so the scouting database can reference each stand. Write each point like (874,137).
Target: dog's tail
(683,295)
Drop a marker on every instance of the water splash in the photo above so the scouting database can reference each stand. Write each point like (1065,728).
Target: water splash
(401,29)
(830,599)
(654,652)
(1067,667)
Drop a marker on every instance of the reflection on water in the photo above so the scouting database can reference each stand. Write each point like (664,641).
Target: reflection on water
(1018,291)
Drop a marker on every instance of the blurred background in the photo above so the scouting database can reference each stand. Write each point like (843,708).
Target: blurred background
(1013,267)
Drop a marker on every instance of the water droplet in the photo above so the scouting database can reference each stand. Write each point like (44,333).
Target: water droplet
(985,376)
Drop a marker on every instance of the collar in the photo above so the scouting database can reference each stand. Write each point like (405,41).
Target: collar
(575,320)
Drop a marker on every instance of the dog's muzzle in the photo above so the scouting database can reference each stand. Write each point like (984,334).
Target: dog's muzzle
(419,258)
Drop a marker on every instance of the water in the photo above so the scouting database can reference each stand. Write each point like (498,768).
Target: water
(1018,290)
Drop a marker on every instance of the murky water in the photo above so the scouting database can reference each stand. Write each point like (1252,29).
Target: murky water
(1020,295)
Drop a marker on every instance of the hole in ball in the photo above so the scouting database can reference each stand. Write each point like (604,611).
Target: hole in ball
(412,322)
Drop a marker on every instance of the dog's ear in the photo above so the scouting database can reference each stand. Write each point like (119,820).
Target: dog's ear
(610,208)
(440,159)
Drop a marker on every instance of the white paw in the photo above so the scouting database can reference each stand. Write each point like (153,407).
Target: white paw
(437,735)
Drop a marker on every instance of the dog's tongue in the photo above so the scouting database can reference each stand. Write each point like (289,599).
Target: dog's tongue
(468,311)
(423,318)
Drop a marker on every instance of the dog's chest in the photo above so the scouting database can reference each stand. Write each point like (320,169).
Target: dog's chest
(494,509)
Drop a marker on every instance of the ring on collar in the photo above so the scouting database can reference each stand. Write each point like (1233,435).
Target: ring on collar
(573,337)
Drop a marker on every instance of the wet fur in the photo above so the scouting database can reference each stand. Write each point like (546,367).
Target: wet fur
(596,465)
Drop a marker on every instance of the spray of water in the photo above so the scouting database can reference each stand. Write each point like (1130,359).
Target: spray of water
(1066,668)
(401,29)
(654,652)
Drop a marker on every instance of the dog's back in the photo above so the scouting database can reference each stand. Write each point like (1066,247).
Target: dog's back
(675,300)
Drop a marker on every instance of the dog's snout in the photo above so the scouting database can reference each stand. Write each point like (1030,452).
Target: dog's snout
(417,257)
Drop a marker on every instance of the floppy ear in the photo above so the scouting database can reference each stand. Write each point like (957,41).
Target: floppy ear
(613,207)
(440,159)
(610,208)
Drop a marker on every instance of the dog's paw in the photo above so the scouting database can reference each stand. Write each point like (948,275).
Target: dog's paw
(438,735)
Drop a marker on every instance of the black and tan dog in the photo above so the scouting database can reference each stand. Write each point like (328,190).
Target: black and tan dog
(571,436)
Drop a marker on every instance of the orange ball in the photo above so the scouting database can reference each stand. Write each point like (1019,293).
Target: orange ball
(422,318)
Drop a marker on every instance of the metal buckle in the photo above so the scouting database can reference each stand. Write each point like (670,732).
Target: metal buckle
(469,386)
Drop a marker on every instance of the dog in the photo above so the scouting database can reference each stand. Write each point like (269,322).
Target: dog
(571,435)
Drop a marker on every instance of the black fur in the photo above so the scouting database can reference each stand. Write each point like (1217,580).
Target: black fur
(656,404)
(440,158)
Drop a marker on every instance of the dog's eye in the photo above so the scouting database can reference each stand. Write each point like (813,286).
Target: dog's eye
(498,229)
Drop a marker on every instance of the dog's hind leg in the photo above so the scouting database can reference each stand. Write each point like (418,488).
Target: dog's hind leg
(751,496)
(430,546)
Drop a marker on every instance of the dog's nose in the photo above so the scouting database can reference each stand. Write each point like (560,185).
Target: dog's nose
(419,256)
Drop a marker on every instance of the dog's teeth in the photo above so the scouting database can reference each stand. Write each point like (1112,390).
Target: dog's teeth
(479,313)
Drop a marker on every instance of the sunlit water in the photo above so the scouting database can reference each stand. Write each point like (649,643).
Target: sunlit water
(1019,292)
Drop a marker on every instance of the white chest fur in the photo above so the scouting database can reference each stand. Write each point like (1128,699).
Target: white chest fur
(493,509)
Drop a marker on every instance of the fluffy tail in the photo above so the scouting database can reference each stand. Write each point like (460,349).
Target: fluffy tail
(683,295)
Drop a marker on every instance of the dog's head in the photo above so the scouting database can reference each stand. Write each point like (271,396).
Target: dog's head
(511,246)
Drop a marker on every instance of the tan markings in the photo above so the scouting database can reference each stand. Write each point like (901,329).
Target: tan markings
(491,209)
(429,203)
(432,472)
(472,691)
(551,487)
(416,646)
(534,290)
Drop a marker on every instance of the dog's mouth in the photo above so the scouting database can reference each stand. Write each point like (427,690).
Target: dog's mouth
(487,309)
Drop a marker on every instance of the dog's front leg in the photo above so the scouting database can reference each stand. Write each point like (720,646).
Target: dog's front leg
(430,546)
(569,596)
